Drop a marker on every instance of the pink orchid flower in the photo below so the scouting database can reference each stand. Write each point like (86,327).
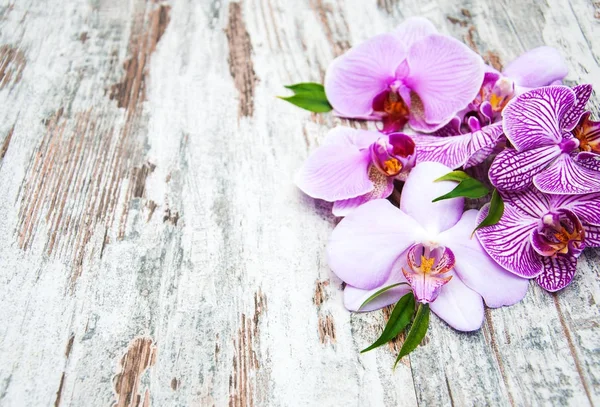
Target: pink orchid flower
(553,143)
(355,166)
(476,131)
(412,75)
(425,244)
(541,236)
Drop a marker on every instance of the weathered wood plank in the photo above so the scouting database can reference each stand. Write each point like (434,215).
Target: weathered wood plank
(154,248)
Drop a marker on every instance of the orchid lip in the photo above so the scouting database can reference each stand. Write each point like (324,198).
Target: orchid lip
(393,155)
(427,268)
(559,232)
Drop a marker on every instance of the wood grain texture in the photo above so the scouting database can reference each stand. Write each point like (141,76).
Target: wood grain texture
(153,247)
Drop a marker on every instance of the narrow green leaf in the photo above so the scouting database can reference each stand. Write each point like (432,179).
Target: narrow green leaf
(309,96)
(468,188)
(399,319)
(305,87)
(454,176)
(495,211)
(309,103)
(379,292)
(416,333)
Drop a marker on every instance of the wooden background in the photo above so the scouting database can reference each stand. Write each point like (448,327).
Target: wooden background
(153,249)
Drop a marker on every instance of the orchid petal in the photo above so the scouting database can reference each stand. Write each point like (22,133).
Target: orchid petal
(355,297)
(586,207)
(571,118)
(508,241)
(592,235)
(366,243)
(382,188)
(558,272)
(530,200)
(459,306)
(538,67)
(477,270)
(589,160)
(483,143)
(354,79)
(452,151)
(413,29)
(533,119)
(335,172)
(566,177)
(361,139)
(514,171)
(445,74)
(420,189)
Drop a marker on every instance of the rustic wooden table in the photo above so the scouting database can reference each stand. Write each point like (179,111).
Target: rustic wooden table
(154,250)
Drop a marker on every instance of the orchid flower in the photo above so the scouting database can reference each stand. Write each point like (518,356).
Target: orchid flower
(355,166)
(553,148)
(540,236)
(476,131)
(426,245)
(412,75)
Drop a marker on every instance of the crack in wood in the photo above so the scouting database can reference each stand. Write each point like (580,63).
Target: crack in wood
(12,64)
(140,356)
(242,381)
(494,345)
(6,142)
(240,59)
(572,350)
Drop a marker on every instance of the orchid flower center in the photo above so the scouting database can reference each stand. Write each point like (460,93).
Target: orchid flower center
(559,232)
(393,155)
(487,106)
(588,134)
(428,264)
(392,109)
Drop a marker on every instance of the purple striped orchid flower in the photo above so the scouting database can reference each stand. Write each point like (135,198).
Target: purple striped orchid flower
(555,144)
(540,236)
(355,166)
(427,245)
(412,75)
(476,131)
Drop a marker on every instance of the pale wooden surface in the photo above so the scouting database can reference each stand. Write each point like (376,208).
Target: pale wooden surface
(153,249)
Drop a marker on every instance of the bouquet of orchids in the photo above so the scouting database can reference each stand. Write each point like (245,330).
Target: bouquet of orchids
(532,138)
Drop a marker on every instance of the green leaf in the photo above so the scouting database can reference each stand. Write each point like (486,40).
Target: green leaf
(495,212)
(468,188)
(309,96)
(399,319)
(416,333)
(454,176)
(378,293)
(306,87)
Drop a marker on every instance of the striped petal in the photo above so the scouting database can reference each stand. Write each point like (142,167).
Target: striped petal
(566,177)
(533,119)
(483,143)
(514,171)
(530,200)
(558,272)
(586,207)
(571,118)
(456,151)
(451,151)
(592,235)
(508,241)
